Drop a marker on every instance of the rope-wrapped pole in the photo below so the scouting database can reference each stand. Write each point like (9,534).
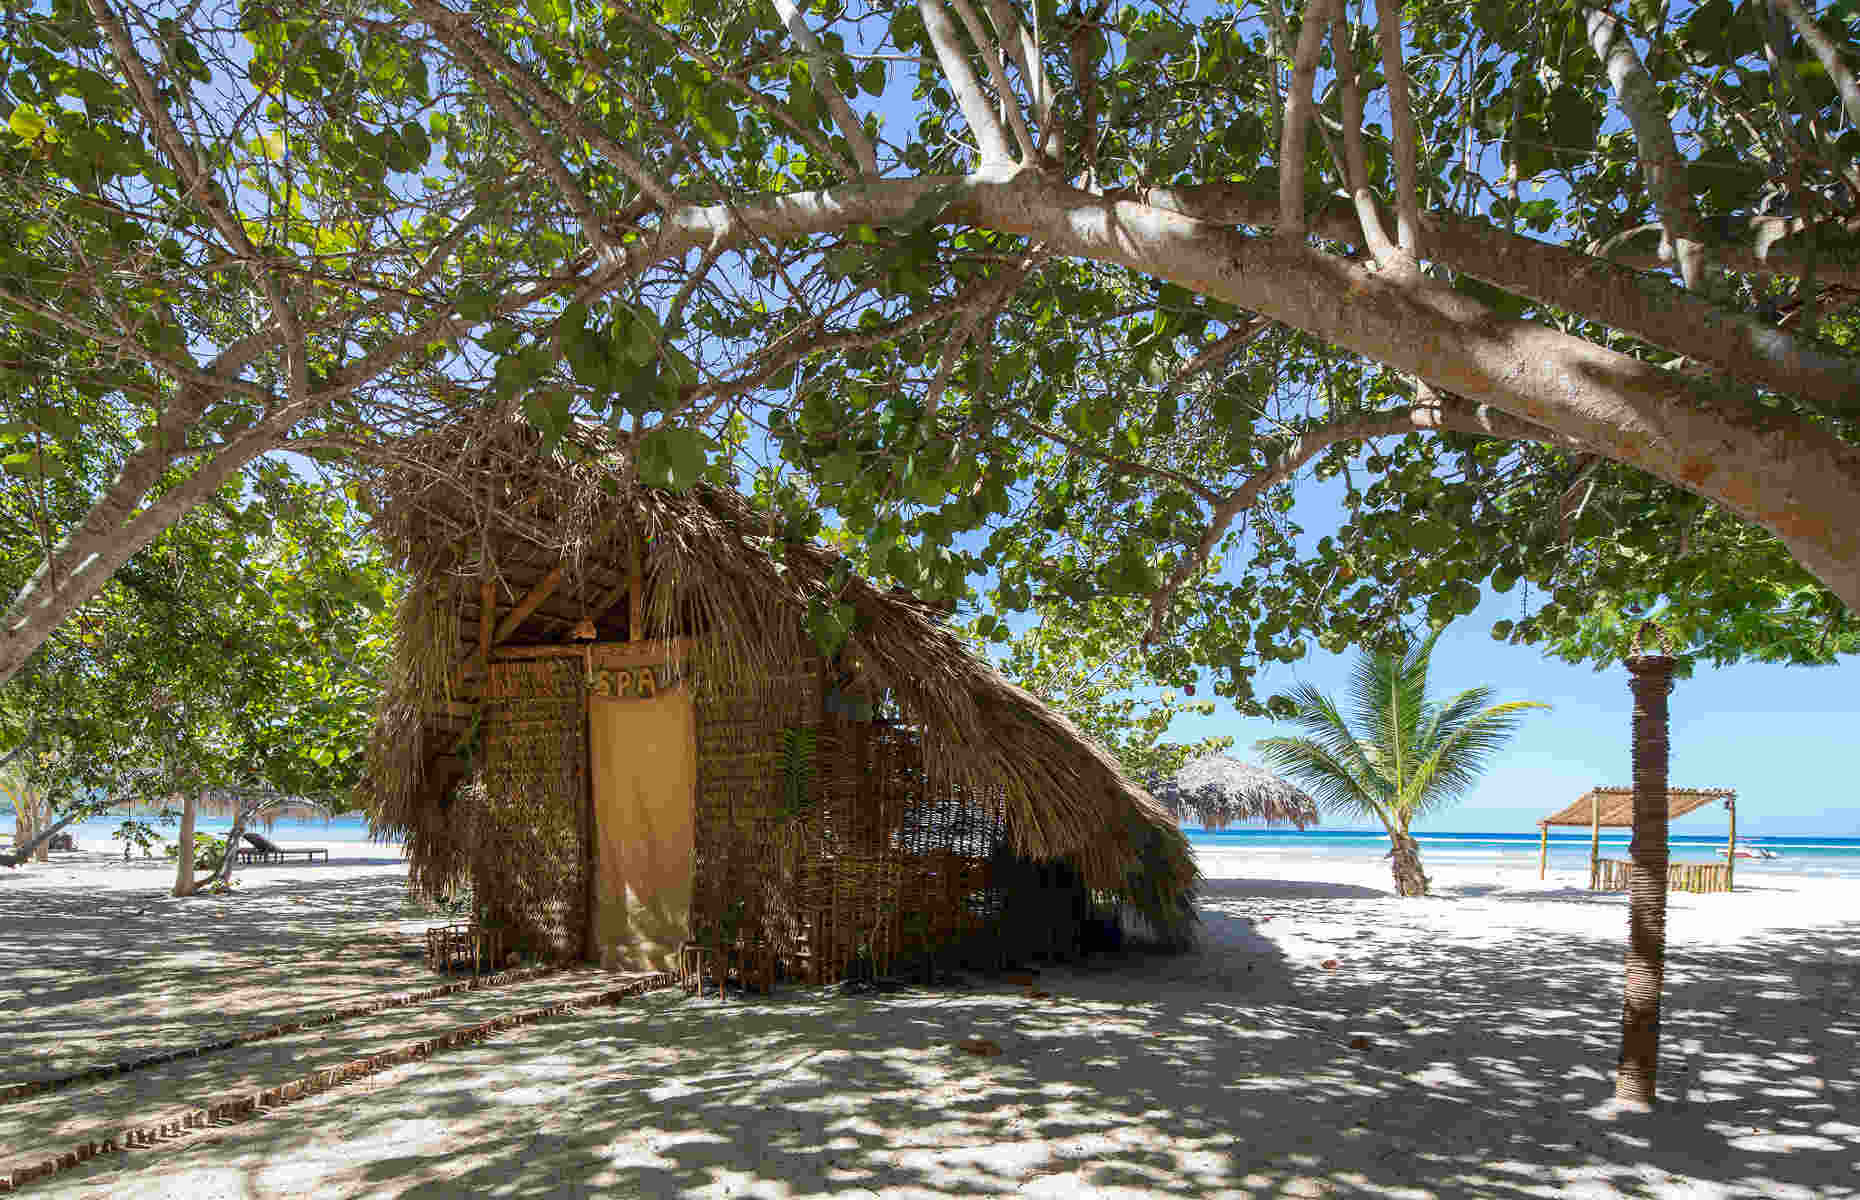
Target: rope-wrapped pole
(1650,679)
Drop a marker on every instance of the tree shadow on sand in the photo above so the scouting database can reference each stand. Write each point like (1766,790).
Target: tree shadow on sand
(99,977)
(1414,1069)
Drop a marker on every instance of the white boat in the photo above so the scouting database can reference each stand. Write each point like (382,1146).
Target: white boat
(1746,850)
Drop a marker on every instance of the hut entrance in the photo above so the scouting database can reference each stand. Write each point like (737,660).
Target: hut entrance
(644,752)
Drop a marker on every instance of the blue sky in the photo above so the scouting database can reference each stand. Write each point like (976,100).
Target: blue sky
(1784,737)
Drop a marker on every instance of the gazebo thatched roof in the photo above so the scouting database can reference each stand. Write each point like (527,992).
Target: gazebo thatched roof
(1617,805)
(552,539)
(1217,790)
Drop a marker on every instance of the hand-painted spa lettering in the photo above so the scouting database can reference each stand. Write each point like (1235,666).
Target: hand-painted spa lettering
(634,683)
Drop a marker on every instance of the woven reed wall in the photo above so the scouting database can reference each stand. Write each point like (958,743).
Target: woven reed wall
(747,849)
(528,807)
(865,867)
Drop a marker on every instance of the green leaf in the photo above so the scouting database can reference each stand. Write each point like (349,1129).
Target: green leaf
(672,457)
(27,123)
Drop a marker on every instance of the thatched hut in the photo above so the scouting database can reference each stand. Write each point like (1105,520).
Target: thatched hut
(1218,790)
(611,711)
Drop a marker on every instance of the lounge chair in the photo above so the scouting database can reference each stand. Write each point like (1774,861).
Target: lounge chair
(263,850)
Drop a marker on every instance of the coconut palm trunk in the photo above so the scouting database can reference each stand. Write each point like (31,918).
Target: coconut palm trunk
(1650,678)
(1405,861)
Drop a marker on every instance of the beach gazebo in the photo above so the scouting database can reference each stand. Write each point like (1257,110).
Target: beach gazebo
(651,728)
(1613,808)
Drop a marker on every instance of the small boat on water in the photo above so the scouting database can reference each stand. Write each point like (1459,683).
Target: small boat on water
(1746,850)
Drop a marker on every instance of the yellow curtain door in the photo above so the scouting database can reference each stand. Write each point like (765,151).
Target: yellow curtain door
(645,786)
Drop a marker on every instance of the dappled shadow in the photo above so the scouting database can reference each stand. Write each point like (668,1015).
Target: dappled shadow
(1414,1064)
(90,977)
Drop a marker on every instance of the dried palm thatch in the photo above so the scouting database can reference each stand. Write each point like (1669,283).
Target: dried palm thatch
(1216,790)
(481,507)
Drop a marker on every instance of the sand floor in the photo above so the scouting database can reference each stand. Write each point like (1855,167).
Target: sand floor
(98,963)
(1462,1045)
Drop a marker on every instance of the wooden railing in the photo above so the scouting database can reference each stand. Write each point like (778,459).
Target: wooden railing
(1612,875)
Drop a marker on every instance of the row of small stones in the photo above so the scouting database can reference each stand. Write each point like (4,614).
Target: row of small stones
(35,1087)
(241,1106)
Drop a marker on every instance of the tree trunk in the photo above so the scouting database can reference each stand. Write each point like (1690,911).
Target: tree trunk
(1405,861)
(223,876)
(1650,677)
(37,843)
(184,860)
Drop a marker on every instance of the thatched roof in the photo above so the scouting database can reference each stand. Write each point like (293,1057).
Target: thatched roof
(1617,805)
(1218,790)
(559,534)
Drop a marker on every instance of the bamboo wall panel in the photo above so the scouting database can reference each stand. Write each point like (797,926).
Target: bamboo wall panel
(528,807)
(1614,875)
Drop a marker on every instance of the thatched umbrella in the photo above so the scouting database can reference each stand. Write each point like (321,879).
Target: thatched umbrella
(1217,790)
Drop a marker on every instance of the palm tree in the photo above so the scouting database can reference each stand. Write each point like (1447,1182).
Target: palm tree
(1406,756)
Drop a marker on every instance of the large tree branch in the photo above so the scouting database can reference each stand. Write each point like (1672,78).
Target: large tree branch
(1299,110)
(990,139)
(1640,99)
(1827,53)
(1445,415)
(820,69)
(1782,473)
(1025,47)
(997,72)
(1401,113)
(1356,160)
(1644,306)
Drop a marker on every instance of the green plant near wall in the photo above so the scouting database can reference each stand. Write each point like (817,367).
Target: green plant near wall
(797,770)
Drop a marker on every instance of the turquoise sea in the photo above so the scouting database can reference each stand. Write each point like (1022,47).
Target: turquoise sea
(1568,851)
(348,835)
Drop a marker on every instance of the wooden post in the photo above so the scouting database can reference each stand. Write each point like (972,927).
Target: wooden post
(1595,835)
(1730,851)
(635,590)
(487,612)
(1543,849)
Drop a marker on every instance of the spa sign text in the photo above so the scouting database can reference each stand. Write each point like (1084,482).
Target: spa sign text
(633,683)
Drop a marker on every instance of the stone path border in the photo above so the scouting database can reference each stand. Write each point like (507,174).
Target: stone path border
(38,1087)
(239,1106)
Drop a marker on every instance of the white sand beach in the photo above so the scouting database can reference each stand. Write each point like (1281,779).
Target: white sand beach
(1327,1039)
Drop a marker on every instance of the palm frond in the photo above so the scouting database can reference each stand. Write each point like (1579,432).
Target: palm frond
(1463,755)
(1443,718)
(1318,716)
(1329,779)
(1388,689)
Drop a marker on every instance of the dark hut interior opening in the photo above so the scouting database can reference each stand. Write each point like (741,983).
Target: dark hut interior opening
(610,716)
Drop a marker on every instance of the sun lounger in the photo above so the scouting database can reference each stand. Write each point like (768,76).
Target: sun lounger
(262,849)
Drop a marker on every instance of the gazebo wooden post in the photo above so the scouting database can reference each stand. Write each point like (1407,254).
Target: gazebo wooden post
(1730,850)
(1543,848)
(1595,838)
